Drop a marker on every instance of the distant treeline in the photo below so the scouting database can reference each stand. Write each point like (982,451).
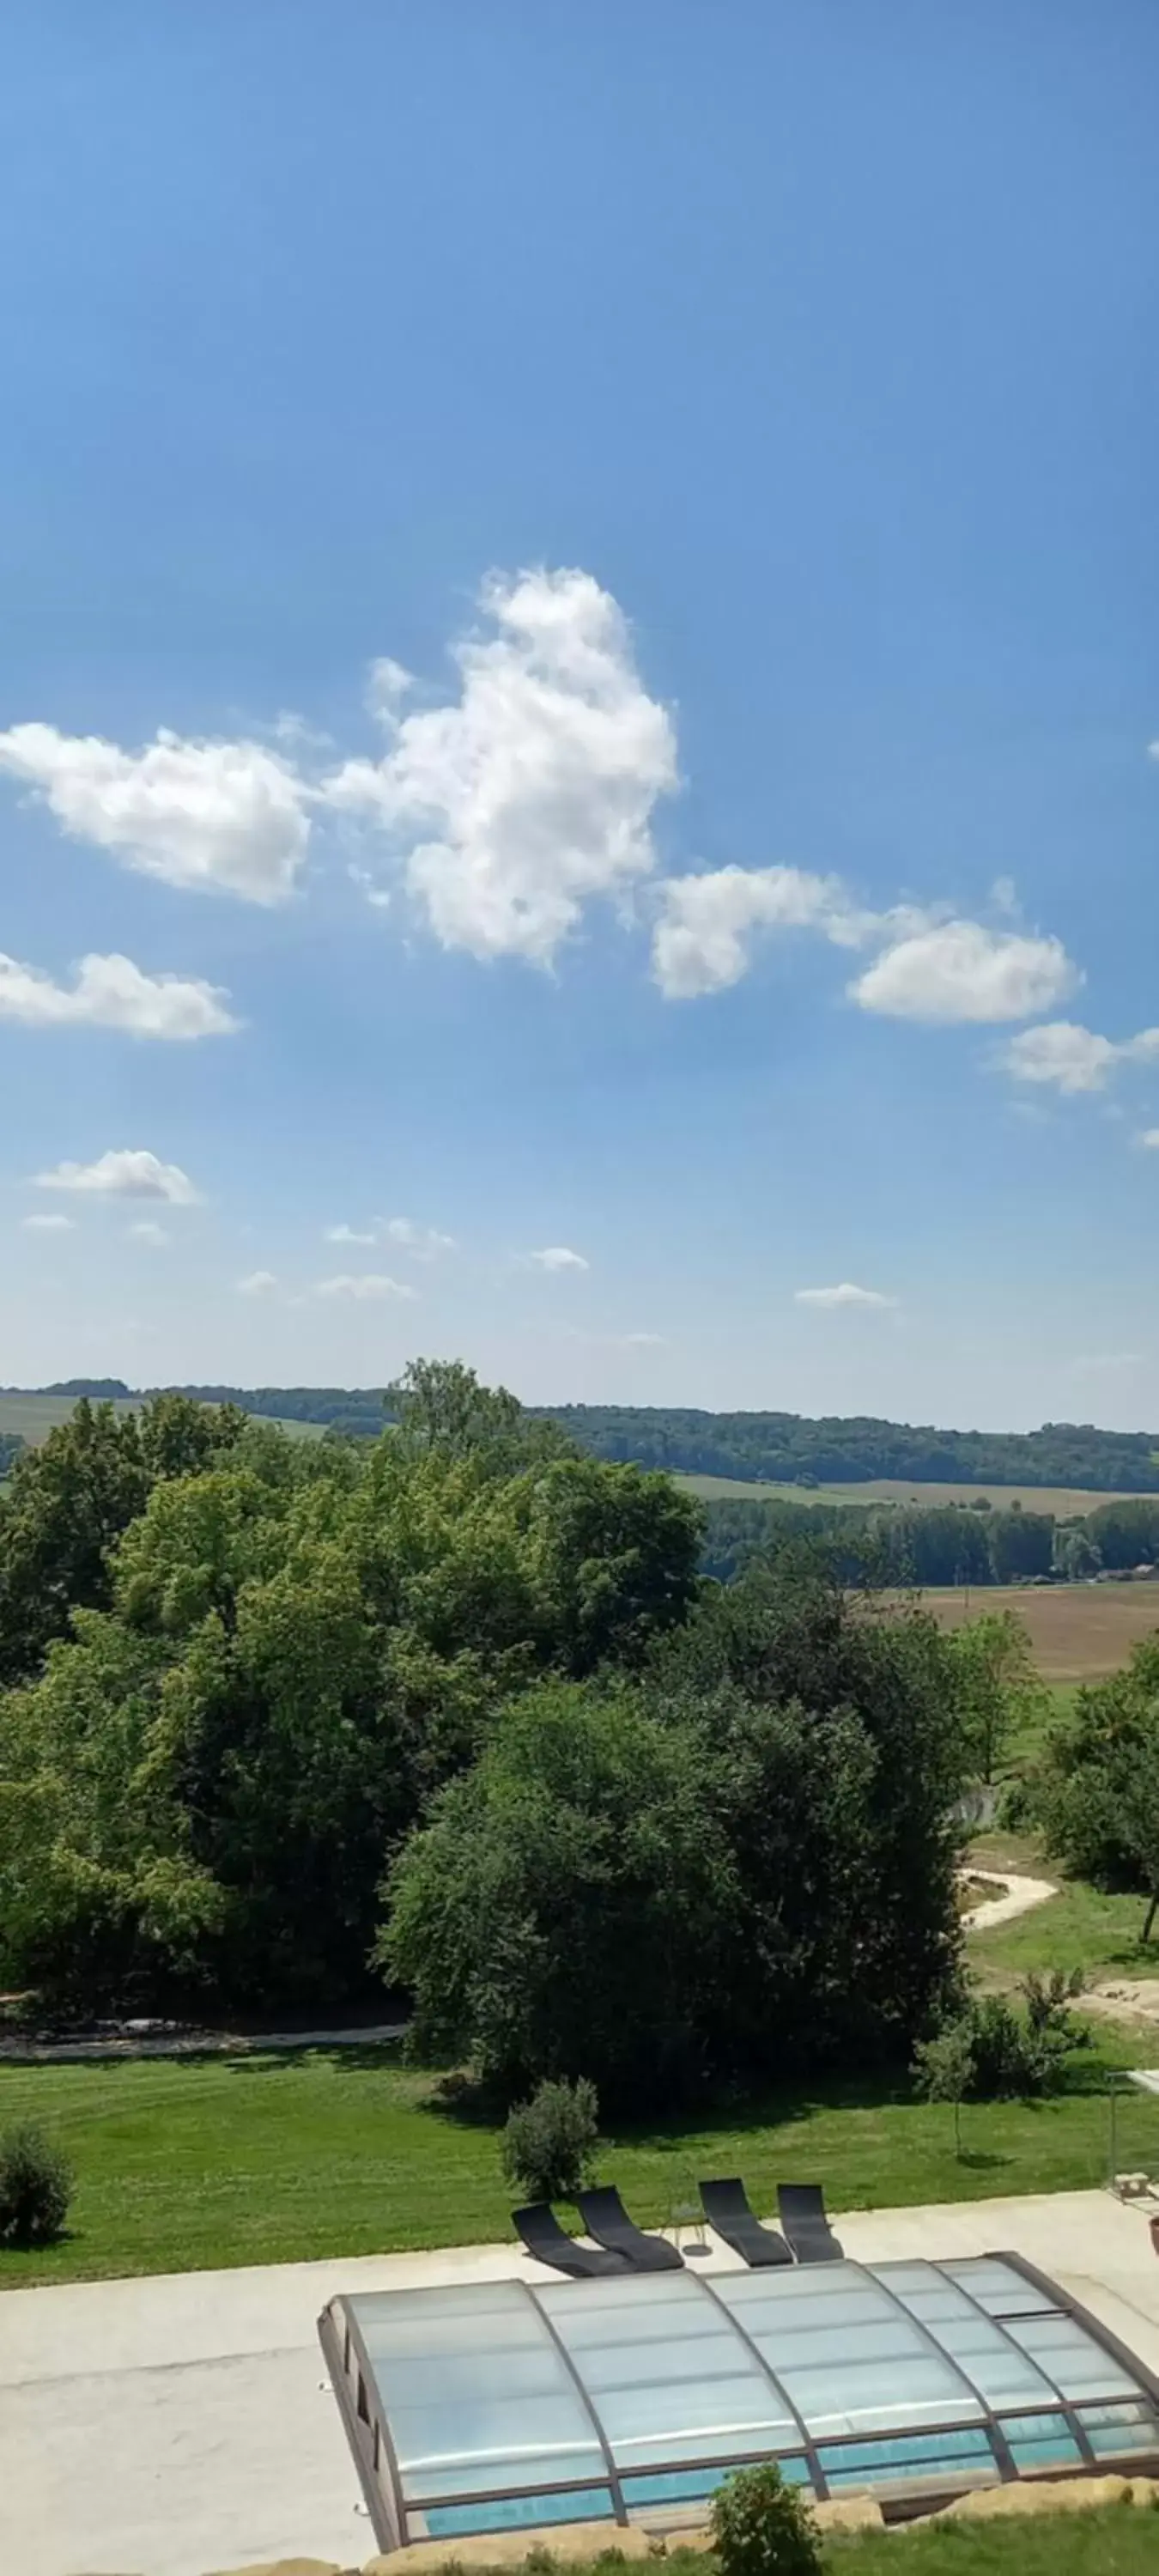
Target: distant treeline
(356,1412)
(775,1448)
(788,1448)
(956,1544)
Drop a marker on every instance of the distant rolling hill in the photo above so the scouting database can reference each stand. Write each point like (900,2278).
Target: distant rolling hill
(33,1414)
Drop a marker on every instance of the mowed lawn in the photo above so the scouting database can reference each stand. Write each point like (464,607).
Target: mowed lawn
(188,2163)
(1115,2540)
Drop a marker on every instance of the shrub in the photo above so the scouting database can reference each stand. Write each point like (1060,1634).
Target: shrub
(35,2187)
(549,2142)
(1010,2060)
(762,2527)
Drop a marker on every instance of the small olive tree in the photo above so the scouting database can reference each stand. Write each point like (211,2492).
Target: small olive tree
(35,2187)
(550,2141)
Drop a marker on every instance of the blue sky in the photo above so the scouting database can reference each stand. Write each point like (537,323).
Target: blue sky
(575,700)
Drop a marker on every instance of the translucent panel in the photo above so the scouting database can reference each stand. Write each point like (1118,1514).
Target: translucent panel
(1001,2372)
(513,2513)
(705,2408)
(667,2374)
(932,2458)
(626,2365)
(1074,2361)
(1040,2442)
(1001,2290)
(493,2476)
(647,2307)
(860,2398)
(473,2431)
(1115,2431)
(686,2486)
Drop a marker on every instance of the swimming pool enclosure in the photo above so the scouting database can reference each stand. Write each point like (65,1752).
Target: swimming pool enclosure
(501,2405)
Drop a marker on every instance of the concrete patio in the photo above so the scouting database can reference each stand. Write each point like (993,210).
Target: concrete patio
(170,2426)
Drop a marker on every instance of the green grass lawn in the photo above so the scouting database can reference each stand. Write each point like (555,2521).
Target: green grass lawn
(190,2163)
(1115,2541)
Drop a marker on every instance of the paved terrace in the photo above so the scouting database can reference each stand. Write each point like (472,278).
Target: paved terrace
(170,2426)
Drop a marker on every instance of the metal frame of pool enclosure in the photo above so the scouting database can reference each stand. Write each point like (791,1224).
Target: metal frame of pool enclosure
(495,2406)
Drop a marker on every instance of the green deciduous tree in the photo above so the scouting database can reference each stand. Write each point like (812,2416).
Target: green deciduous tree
(1100,1789)
(1000,1695)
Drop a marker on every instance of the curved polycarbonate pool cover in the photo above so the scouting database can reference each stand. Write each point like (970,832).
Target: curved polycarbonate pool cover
(493,2406)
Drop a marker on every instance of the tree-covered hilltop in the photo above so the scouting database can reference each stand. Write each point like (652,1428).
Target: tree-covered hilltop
(789,1448)
(773,1448)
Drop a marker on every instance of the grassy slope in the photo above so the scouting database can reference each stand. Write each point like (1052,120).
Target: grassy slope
(34,1416)
(192,2163)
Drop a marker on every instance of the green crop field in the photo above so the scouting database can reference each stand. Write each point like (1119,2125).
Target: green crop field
(1065,1501)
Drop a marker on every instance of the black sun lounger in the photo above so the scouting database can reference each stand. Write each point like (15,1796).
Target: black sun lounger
(605,2217)
(802,2208)
(726,2207)
(550,2243)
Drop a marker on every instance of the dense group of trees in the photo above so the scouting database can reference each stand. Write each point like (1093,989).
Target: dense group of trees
(460,1700)
(788,1448)
(949,1544)
(773,1448)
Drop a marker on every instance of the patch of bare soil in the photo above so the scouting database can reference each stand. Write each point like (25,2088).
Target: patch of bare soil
(1128,1999)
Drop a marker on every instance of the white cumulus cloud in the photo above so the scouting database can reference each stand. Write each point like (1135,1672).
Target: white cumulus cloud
(1150,1138)
(113,993)
(126,1173)
(146,1230)
(48,1224)
(701,941)
(1072,1058)
(532,791)
(224,817)
(347,1234)
(257,1283)
(845,1294)
(362,1284)
(558,1256)
(960,971)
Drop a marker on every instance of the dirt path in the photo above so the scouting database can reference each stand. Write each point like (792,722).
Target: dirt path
(1013,1894)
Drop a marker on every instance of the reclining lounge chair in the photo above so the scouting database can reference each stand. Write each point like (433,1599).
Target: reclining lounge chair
(726,2207)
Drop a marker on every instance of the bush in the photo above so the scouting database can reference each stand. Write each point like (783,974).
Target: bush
(35,2187)
(762,2527)
(549,2142)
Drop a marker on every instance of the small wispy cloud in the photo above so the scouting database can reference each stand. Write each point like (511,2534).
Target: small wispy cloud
(146,1230)
(48,1225)
(423,1242)
(558,1256)
(347,1234)
(846,1293)
(257,1283)
(365,1284)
